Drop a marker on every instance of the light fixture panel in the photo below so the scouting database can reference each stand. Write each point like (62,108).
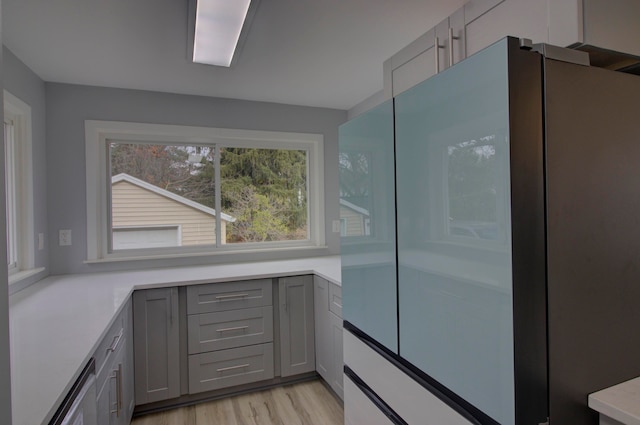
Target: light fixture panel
(217,29)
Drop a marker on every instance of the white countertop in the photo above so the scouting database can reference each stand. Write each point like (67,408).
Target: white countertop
(57,323)
(620,402)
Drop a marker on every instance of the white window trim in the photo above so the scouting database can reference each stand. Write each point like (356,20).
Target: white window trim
(19,113)
(97,133)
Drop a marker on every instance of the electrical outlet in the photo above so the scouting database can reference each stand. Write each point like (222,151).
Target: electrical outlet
(336,226)
(64,237)
(40,241)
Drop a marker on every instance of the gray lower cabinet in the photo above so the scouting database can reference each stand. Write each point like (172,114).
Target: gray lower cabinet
(230,334)
(226,368)
(114,373)
(156,345)
(322,328)
(337,375)
(328,328)
(229,329)
(297,340)
(126,376)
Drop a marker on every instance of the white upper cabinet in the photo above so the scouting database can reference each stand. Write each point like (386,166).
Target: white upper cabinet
(591,25)
(605,24)
(426,56)
(519,18)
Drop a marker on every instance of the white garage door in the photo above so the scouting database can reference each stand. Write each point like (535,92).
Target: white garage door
(145,237)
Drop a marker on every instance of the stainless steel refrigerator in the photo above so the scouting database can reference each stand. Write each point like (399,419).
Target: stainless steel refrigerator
(507,215)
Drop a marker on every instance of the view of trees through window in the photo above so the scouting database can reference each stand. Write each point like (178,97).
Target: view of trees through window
(472,188)
(355,193)
(263,192)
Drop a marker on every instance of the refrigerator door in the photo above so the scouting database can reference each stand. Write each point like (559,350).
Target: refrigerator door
(593,201)
(455,283)
(367,216)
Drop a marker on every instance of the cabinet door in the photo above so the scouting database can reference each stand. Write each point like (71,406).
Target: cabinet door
(127,378)
(454,223)
(411,65)
(116,393)
(102,403)
(487,21)
(337,357)
(110,404)
(297,341)
(156,345)
(322,327)
(367,242)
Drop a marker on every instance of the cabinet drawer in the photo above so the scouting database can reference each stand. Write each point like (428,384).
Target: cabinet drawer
(230,329)
(111,342)
(335,299)
(359,409)
(401,392)
(215,297)
(226,368)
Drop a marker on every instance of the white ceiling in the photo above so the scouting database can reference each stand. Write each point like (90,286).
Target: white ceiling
(326,53)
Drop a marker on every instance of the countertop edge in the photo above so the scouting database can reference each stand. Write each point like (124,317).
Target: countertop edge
(612,401)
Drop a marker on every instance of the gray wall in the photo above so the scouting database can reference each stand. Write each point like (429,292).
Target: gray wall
(21,82)
(5,371)
(68,106)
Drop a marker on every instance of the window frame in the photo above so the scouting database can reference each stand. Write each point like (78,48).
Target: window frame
(18,113)
(98,135)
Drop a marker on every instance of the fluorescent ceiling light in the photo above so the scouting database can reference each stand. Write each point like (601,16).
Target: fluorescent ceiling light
(218,27)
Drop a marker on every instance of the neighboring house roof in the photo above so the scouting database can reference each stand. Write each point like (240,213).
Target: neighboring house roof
(148,186)
(354,207)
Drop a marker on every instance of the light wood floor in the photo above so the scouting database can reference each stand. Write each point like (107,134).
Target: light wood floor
(306,403)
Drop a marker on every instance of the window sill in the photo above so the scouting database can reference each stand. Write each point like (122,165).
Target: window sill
(229,256)
(17,277)
(18,281)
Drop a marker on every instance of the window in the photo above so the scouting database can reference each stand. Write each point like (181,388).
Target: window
(473,206)
(18,187)
(159,190)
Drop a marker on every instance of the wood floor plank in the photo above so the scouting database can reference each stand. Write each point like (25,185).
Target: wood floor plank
(285,410)
(320,402)
(306,403)
(216,412)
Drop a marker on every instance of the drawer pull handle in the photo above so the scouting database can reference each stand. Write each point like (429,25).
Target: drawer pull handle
(230,296)
(339,305)
(116,341)
(237,328)
(224,369)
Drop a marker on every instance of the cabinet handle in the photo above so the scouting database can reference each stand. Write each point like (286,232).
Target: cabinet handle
(224,369)
(436,47)
(230,296)
(237,328)
(451,38)
(119,392)
(116,341)
(116,405)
